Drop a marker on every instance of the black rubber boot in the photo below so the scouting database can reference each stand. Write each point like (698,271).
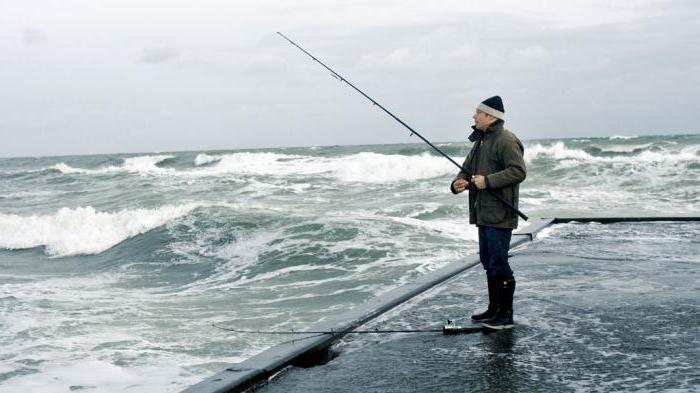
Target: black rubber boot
(504,315)
(493,301)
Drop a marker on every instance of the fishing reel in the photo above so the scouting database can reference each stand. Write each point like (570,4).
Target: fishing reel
(451,328)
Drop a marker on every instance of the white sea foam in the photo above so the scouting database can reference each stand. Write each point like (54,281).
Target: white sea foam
(622,148)
(32,194)
(204,158)
(558,151)
(67,169)
(99,376)
(264,164)
(547,232)
(361,167)
(379,168)
(83,230)
(144,163)
(96,336)
(448,228)
(140,164)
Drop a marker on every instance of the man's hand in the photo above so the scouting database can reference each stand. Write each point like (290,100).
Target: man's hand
(479,181)
(460,185)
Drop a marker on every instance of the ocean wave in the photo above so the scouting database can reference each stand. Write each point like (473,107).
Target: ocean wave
(203,159)
(558,151)
(370,167)
(364,167)
(263,163)
(83,230)
(454,229)
(622,148)
(25,172)
(32,194)
(140,164)
(379,168)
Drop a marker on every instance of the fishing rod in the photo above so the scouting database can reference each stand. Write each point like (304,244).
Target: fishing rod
(413,132)
(448,329)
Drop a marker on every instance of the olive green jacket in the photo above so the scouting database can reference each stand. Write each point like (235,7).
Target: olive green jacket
(496,154)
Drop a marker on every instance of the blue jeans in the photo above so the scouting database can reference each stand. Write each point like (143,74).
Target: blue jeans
(493,251)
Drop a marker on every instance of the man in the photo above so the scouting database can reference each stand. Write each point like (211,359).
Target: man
(494,166)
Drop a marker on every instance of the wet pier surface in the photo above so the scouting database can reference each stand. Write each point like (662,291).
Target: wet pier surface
(597,308)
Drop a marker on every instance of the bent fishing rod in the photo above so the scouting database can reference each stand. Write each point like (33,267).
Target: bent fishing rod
(449,329)
(321,332)
(413,132)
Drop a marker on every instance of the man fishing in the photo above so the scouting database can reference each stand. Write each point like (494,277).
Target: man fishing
(493,168)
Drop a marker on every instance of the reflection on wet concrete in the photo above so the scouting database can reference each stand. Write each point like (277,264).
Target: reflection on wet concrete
(498,367)
(583,323)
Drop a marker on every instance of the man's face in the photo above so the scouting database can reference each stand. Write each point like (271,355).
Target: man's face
(482,120)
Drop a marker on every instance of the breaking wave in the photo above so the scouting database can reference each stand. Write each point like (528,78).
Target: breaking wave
(203,159)
(83,230)
(141,164)
(623,148)
(558,151)
(364,167)
(371,167)
(265,164)
(378,168)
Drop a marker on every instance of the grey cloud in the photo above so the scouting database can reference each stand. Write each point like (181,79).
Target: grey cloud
(32,36)
(158,55)
(633,72)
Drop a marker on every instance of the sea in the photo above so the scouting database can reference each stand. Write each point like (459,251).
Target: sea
(114,268)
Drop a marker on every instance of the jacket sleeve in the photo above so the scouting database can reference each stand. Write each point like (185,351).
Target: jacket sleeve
(511,156)
(462,174)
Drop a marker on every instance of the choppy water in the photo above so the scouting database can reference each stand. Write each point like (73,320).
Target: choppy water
(113,267)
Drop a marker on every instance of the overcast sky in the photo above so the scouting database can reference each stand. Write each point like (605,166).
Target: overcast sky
(103,76)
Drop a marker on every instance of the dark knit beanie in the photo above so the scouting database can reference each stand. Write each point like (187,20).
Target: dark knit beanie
(493,106)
